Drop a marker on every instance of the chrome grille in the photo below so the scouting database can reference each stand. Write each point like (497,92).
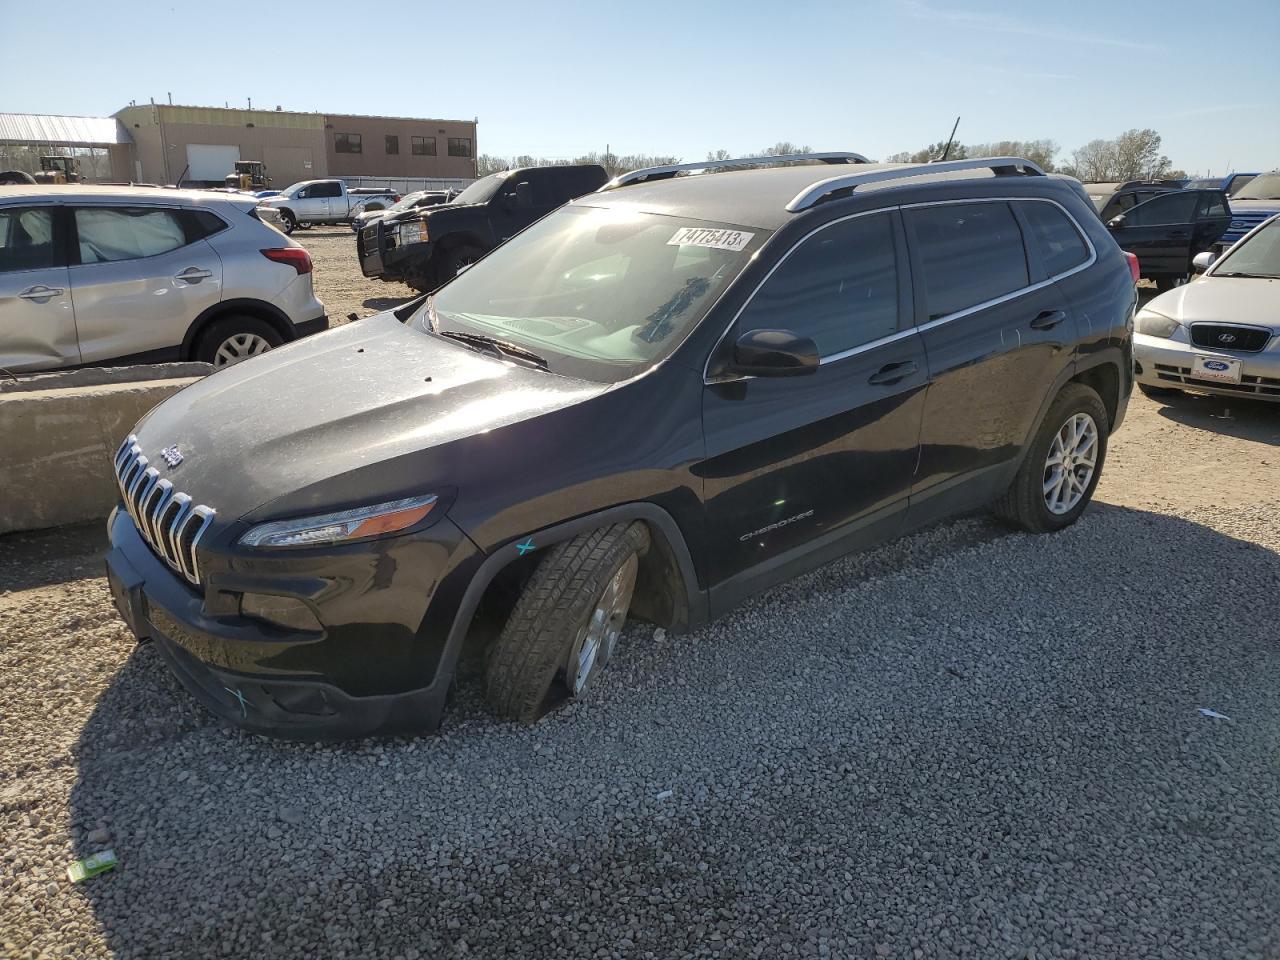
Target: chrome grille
(168,520)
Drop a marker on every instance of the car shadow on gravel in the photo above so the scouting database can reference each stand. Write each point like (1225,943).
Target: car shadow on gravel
(493,838)
(1240,417)
(38,558)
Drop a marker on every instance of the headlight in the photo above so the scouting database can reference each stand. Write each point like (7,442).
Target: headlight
(1156,324)
(415,231)
(340,527)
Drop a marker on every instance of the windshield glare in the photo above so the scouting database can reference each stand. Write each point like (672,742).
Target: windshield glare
(482,190)
(405,202)
(596,285)
(1265,187)
(1259,256)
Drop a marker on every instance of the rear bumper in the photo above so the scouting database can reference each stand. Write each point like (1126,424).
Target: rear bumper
(307,327)
(1167,364)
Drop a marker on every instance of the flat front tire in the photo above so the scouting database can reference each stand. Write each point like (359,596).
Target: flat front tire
(565,625)
(1062,465)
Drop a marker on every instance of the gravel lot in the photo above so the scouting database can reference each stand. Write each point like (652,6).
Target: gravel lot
(969,743)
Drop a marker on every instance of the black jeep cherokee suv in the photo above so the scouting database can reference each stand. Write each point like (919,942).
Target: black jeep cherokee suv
(657,401)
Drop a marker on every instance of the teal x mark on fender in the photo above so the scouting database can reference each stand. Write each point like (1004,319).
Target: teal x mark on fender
(526,546)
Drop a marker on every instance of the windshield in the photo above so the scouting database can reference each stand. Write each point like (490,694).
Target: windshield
(598,292)
(1259,256)
(482,190)
(1210,183)
(1265,187)
(405,202)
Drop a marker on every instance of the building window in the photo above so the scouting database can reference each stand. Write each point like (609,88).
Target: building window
(347,143)
(393,144)
(424,146)
(459,146)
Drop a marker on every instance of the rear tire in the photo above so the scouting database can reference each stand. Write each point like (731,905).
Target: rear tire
(231,339)
(1044,498)
(15,177)
(566,622)
(1158,393)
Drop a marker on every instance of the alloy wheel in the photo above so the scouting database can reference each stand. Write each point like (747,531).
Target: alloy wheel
(1069,467)
(598,637)
(239,347)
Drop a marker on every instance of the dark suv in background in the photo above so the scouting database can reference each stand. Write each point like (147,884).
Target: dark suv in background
(1113,199)
(1166,232)
(424,248)
(658,401)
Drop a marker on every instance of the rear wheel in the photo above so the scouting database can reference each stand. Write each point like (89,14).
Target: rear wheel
(566,623)
(14,177)
(232,339)
(1062,466)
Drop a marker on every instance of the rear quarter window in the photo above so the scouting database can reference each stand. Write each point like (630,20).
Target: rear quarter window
(969,253)
(1054,237)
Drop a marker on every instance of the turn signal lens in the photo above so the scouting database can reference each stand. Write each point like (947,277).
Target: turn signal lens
(339,527)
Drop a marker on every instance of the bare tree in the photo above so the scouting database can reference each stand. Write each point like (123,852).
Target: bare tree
(1095,161)
(1138,156)
(784,147)
(933,151)
(720,154)
(1039,152)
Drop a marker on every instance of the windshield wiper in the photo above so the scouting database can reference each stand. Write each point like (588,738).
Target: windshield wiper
(1250,276)
(498,348)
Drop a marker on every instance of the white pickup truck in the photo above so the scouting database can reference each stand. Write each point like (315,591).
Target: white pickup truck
(324,201)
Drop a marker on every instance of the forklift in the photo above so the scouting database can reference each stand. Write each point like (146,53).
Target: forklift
(249,175)
(59,170)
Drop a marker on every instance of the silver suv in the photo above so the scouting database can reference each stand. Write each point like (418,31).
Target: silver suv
(92,275)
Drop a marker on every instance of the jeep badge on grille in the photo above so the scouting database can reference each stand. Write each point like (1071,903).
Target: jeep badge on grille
(171,455)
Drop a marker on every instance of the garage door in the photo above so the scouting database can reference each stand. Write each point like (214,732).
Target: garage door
(211,161)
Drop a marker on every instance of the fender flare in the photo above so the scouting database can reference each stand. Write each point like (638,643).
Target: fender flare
(258,308)
(506,553)
(1109,355)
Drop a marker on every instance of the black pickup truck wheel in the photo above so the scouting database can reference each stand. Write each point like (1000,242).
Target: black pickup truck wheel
(565,625)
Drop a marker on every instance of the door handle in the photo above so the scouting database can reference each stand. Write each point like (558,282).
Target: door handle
(40,292)
(892,373)
(1178,234)
(194,275)
(1048,320)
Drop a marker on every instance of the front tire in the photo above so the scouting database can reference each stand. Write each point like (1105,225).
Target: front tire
(231,339)
(1165,284)
(288,222)
(1062,465)
(566,623)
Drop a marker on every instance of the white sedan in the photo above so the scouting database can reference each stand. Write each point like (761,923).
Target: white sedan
(1220,333)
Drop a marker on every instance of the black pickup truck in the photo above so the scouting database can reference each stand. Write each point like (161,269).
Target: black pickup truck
(426,247)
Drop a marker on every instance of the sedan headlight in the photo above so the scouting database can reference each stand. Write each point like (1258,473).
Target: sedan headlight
(1156,324)
(342,526)
(415,231)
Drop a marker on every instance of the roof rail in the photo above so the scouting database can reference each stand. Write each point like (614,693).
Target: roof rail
(824,189)
(670,170)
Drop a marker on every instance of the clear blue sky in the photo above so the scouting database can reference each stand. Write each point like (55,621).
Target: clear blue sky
(559,78)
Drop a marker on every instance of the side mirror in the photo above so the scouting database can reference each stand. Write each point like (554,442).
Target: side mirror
(1202,261)
(1115,223)
(521,195)
(774,353)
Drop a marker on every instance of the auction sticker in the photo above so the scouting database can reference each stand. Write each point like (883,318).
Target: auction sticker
(705,237)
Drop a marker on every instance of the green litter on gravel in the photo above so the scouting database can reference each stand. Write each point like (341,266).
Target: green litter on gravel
(100,862)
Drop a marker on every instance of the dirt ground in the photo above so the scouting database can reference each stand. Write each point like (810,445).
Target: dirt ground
(338,280)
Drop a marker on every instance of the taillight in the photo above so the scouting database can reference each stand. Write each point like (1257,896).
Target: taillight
(1134,268)
(295,257)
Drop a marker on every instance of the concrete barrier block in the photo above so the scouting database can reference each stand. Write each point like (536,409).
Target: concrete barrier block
(57,443)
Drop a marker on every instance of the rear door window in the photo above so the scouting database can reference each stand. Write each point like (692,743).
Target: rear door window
(1054,237)
(1170,208)
(969,253)
(839,287)
(26,239)
(126,233)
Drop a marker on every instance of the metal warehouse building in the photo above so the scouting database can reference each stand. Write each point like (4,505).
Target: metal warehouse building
(162,143)
(101,144)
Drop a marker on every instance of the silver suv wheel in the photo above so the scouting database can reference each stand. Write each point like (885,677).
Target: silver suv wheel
(239,347)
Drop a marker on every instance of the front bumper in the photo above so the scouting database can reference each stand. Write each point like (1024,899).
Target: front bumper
(1167,363)
(379,665)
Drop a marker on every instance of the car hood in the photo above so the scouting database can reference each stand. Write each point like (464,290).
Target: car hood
(356,414)
(1223,300)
